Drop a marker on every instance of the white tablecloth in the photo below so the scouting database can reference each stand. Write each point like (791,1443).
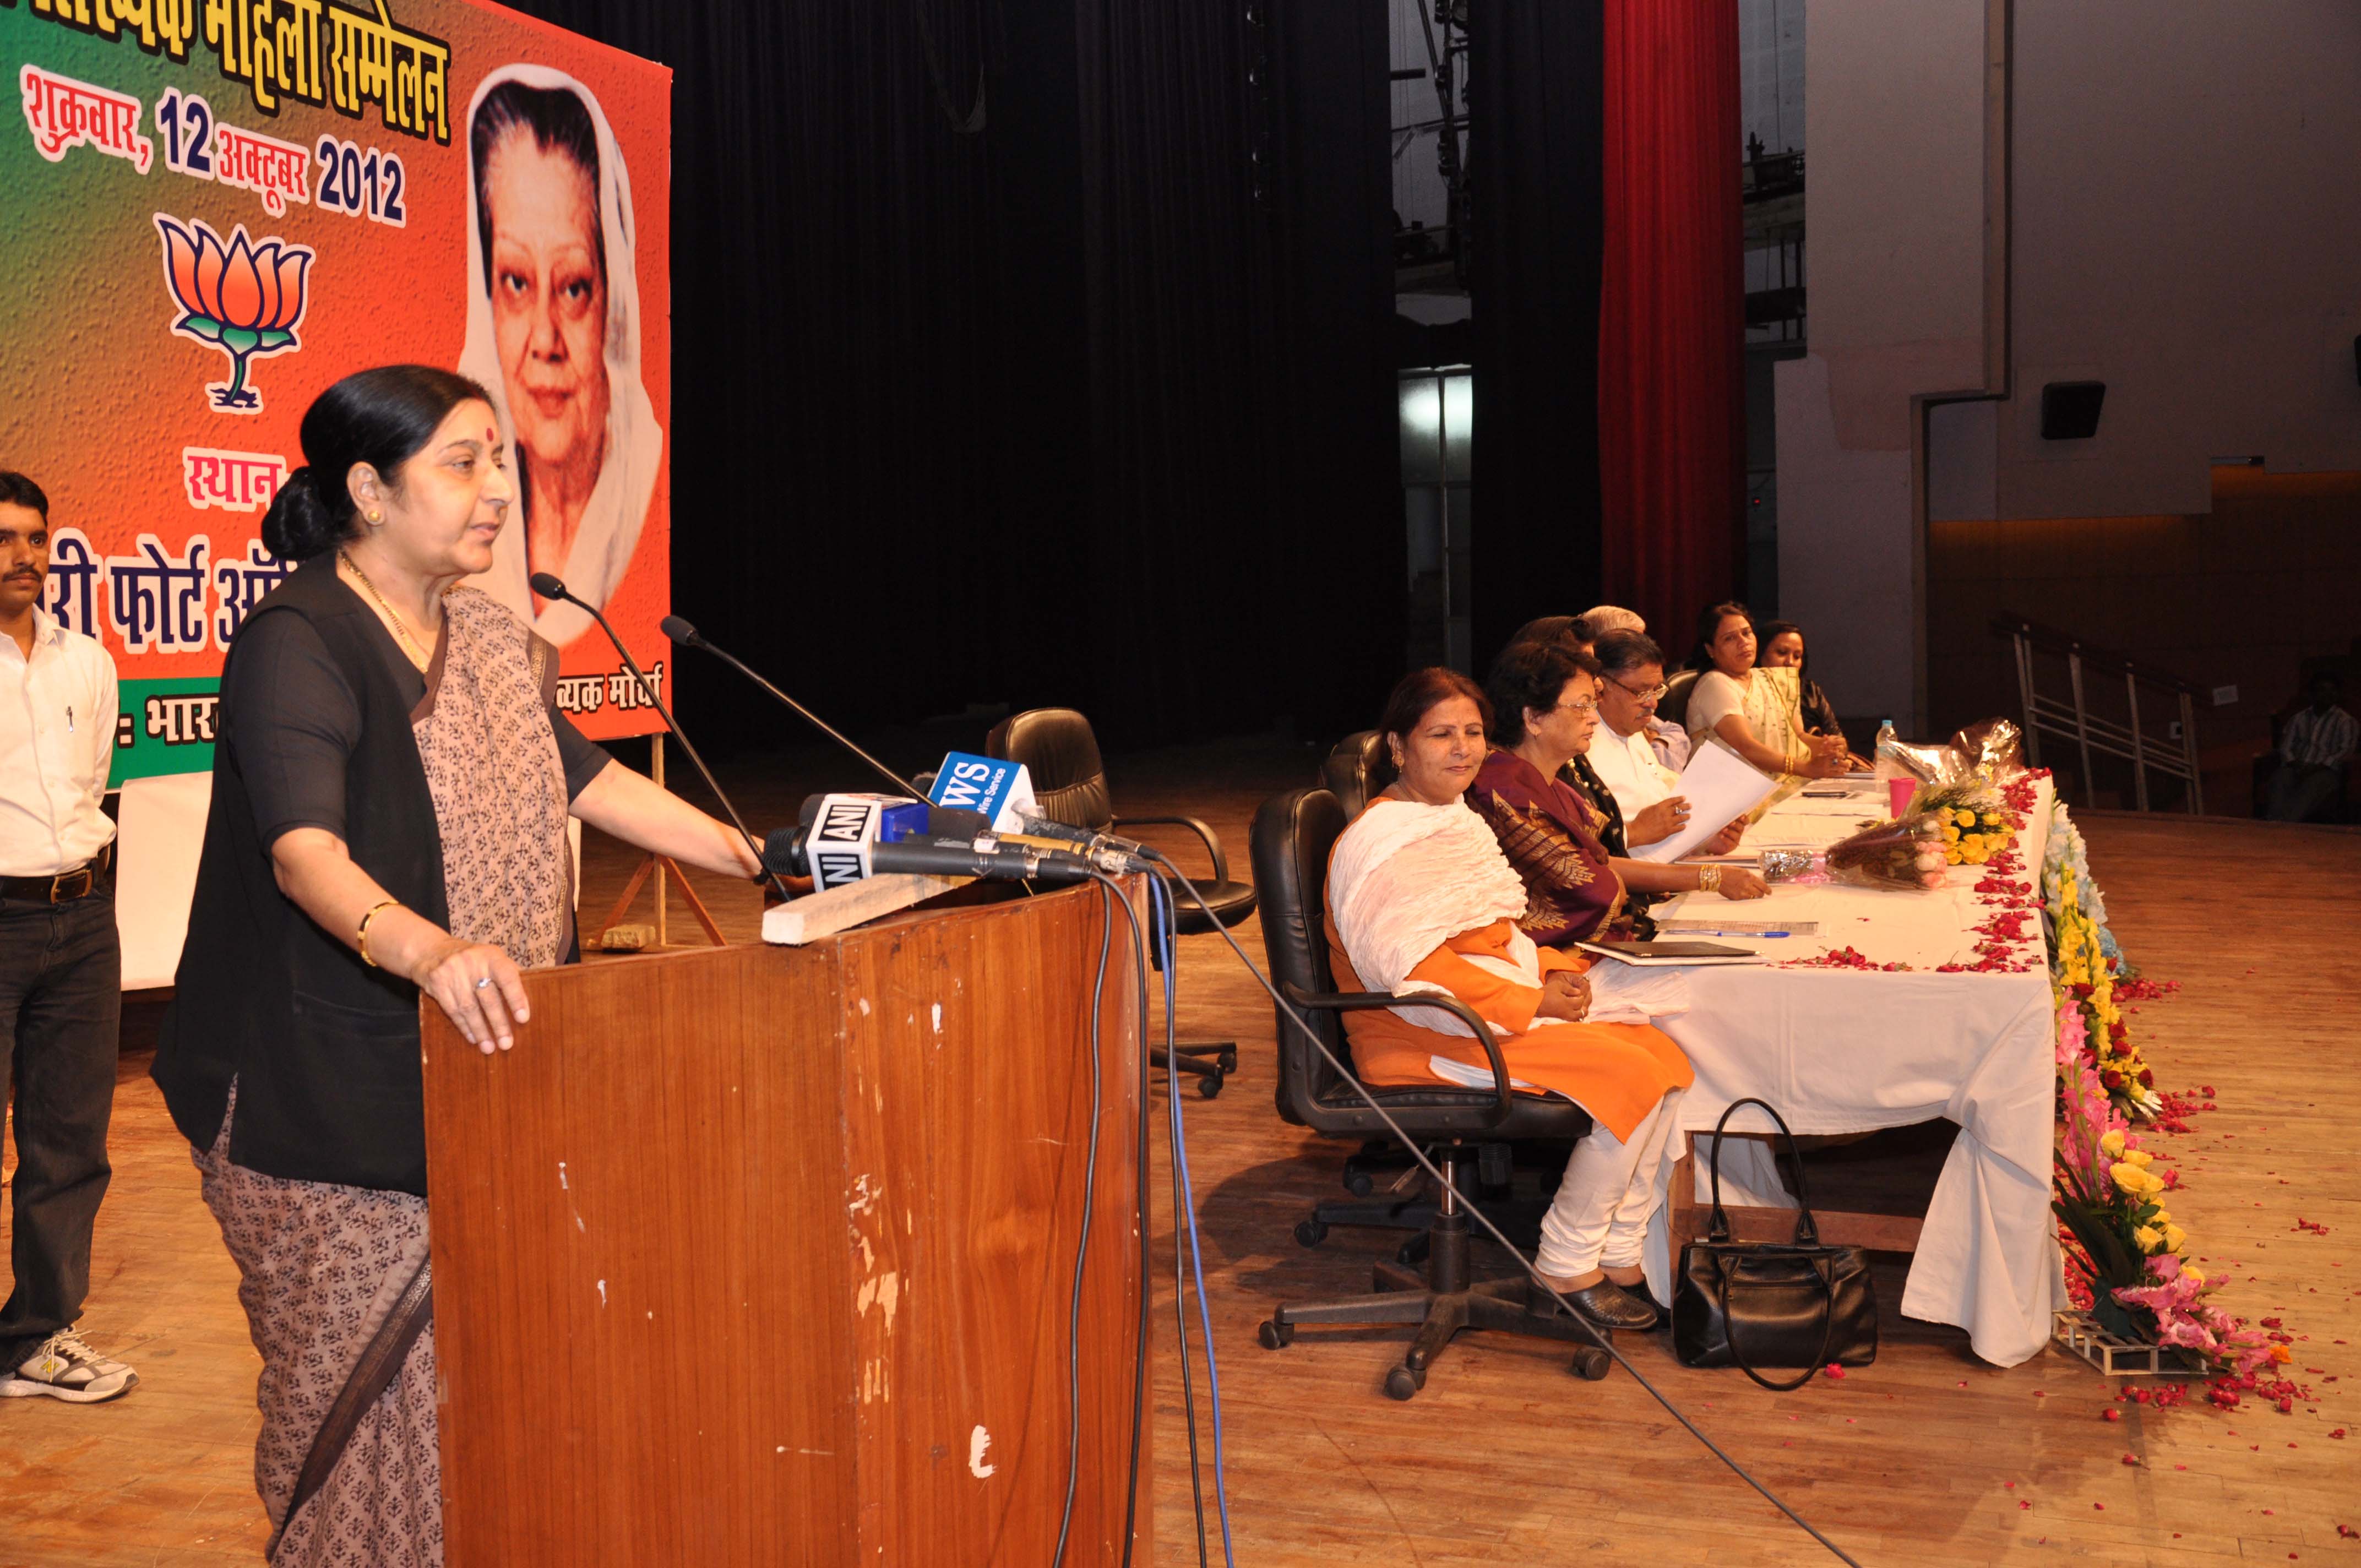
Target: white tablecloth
(1847,1051)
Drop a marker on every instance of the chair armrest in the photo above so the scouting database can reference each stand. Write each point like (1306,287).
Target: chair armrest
(1212,844)
(1503,1101)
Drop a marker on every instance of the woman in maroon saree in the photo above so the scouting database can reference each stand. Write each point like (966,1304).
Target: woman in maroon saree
(1545,704)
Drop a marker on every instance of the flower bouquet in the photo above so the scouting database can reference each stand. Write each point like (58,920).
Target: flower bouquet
(1928,764)
(1904,854)
(1993,749)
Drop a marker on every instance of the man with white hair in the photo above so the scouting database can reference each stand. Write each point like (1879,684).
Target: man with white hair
(1669,740)
(1608,618)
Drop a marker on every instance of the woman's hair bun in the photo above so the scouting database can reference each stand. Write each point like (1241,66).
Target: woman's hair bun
(300,524)
(380,417)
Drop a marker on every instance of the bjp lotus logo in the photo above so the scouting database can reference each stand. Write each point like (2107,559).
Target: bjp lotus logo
(241,298)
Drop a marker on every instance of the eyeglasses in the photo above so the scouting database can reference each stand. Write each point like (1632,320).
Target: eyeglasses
(1637,694)
(1579,705)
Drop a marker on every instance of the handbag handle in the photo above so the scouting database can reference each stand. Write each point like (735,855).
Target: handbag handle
(1827,1327)
(1807,1232)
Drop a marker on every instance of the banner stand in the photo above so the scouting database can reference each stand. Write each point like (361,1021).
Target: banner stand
(658,866)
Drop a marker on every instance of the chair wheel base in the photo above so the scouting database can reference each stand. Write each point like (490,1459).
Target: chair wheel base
(1402,1382)
(1591,1364)
(1275,1335)
(1208,1087)
(1311,1232)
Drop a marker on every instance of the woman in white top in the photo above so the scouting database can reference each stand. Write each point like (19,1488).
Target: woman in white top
(1754,711)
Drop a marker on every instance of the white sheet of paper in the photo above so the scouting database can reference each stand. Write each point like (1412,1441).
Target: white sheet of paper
(1722,786)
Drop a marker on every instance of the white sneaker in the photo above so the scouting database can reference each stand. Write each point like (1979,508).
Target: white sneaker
(65,1368)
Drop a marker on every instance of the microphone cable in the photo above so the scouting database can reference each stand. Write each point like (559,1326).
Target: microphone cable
(1142,1334)
(1604,1342)
(1185,1214)
(1090,1194)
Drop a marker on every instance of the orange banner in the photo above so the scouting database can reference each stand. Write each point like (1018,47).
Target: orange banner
(219,207)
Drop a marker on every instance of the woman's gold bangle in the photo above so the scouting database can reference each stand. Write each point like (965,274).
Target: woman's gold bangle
(1708,879)
(361,938)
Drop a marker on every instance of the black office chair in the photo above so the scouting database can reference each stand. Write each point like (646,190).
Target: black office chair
(1061,754)
(1293,836)
(1673,707)
(1350,769)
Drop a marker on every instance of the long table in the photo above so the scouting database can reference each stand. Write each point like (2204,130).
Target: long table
(1845,1051)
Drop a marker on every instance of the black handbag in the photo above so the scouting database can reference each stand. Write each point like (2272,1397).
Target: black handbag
(1800,1304)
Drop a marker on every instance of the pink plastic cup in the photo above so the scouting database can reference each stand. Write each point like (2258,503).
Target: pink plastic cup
(1899,792)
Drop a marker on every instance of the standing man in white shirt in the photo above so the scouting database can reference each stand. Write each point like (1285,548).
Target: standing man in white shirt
(60,963)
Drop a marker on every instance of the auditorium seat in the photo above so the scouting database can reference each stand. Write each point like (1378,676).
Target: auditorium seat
(1673,707)
(1060,753)
(1348,770)
(1465,1131)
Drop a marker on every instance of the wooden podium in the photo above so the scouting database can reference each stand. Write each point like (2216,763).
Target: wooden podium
(763,1256)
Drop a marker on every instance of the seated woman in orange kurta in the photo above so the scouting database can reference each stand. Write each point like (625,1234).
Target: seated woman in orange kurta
(1420,899)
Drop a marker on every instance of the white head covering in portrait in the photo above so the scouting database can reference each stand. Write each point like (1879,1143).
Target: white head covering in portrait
(617,507)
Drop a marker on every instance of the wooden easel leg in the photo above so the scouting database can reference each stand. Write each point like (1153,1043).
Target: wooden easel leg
(696,906)
(667,873)
(630,892)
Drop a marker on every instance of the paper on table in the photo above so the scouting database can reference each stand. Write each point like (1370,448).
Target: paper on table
(1722,786)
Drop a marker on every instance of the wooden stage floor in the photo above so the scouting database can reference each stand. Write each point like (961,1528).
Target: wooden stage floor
(1928,1457)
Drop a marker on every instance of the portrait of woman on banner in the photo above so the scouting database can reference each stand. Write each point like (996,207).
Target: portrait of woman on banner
(553,333)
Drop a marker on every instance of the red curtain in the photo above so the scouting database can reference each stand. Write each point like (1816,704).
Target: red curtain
(1672,395)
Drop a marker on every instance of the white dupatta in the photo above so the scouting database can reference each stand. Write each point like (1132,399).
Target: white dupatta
(1406,878)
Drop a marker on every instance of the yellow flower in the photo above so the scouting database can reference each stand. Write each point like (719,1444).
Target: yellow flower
(2139,1158)
(1964,819)
(2281,1356)
(2160,1217)
(2111,1144)
(2173,1238)
(1950,833)
(2190,1269)
(2135,1182)
(2149,1240)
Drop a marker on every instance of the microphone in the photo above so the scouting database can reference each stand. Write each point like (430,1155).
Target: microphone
(550,586)
(1002,790)
(681,631)
(806,852)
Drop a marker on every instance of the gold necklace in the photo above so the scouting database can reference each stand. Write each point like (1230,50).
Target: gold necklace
(417,655)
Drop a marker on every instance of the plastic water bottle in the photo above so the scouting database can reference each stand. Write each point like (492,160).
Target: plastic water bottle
(1888,742)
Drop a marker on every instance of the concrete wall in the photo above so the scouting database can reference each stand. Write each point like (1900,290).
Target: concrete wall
(2179,190)
(2237,599)
(1895,215)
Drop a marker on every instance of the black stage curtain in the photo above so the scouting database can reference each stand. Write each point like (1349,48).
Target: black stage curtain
(1030,401)
(1535,108)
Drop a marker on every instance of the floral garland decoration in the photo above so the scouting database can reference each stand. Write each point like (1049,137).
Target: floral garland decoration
(2079,974)
(2127,1249)
(2066,861)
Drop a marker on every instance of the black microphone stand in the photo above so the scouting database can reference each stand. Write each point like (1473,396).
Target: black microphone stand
(680,630)
(551,588)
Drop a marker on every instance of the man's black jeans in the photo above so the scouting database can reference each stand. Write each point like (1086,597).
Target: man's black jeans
(61,1011)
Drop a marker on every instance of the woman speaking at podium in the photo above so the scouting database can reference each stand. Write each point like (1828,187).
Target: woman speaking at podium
(392,781)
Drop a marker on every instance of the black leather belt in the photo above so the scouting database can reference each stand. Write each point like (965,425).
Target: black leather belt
(64,887)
